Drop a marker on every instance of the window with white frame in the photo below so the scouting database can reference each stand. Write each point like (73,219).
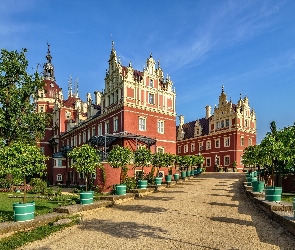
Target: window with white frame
(160,149)
(227,122)
(226,141)
(84,136)
(208,161)
(246,123)
(81,175)
(58,163)
(93,131)
(249,142)
(217,143)
(72,142)
(185,149)
(217,125)
(179,149)
(75,141)
(99,129)
(88,134)
(242,141)
(116,124)
(222,124)
(151,98)
(161,127)
(208,144)
(59,177)
(193,147)
(151,83)
(79,139)
(226,160)
(116,96)
(200,146)
(107,127)
(142,123)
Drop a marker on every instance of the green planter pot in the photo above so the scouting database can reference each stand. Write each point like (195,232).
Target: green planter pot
(273,193)
(183,174)
(86,198)
(249,180)
(168,178)
(192,172)
(258,186)
(142,184)
(188,173)
(176,177)
(158,180)
(24,212)
(120,189)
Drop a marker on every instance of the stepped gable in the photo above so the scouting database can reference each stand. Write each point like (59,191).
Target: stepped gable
(137,75)
(189,128)
(70,102)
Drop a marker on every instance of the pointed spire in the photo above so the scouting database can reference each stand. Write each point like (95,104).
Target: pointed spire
(222,89)
(151,55)
(113,45)
(70,93)
(130,64)
(48,67)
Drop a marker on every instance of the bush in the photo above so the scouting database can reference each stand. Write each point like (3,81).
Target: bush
(5,183)
(130,183)
(38,186)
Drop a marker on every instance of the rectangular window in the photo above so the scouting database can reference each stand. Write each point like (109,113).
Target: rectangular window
(79,139)
(93,131)
(217,143)
(58,163)
(227,122)
(179,149)
(226,160)
(242,141)
(151,83)
(59,177)
(185,150)
(107,127)
(246,123)
(249,142)
(84,136)
(142,123)
(151,98)
(208,162)
(99,129)
(75,141)
(200,146)
(117,96)
(226,141)
(160,149)
(88,134)
(115,124)
(208,145)
(222,124)
(217,125)
(193,147)
(81,175)
(72,142)
(161,127)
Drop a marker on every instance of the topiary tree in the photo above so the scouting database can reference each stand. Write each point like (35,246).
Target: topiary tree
(22,160)
(86,160)
(120,157)
(158,161)
(142,158)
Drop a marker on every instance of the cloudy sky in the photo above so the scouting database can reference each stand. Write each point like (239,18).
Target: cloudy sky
(246,46)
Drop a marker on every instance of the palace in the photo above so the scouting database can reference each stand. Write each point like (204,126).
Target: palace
(135,109)
(220,137)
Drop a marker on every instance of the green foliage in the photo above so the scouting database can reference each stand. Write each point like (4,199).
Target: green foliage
(142,158)
(38,186)
(130,183)
(120,157)
(86,160)
(18,119)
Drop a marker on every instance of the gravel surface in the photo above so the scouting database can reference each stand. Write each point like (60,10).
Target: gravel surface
(207,212)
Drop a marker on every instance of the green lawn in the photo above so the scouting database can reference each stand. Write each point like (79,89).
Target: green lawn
(288,197)
(42,206)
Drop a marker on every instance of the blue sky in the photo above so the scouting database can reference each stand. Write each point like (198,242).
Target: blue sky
(247,46)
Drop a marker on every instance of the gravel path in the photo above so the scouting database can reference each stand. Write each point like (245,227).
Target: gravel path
(208,212)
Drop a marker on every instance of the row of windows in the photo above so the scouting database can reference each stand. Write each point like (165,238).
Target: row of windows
(226,143)
(142,121)
(222,124)
(226,161)
(81,176)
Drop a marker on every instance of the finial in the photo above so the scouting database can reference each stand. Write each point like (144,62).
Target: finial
(119,61)
(151,55)
(222,89)
(159,64)
(240,96)
(130,64)
(113,45)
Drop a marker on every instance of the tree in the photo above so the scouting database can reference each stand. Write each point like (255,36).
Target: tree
(159,160)
(18,88)
(120,157)
(142,158)
(86,160)
(22,160)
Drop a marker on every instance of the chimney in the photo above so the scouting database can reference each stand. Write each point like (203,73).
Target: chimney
(208,111)
(97,97)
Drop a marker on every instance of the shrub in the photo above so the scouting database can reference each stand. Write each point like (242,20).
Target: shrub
(130,183)
(38,186)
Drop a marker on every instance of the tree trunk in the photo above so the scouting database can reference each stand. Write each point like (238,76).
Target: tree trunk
(25,190)
(86,181)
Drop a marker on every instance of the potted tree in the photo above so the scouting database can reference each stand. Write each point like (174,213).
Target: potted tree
(120,157)
(142,158)
(22,160)
(234,165)
(169,162)
(158,161)
(86,160)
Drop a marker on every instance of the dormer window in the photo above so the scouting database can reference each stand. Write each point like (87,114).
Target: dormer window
(151,83)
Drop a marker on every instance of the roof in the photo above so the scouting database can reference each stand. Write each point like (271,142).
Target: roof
(189,128)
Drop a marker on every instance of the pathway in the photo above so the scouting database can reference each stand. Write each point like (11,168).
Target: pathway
(207,212)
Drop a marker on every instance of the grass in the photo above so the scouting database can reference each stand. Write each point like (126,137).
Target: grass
(288,197)
(21,238)
(42,206)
